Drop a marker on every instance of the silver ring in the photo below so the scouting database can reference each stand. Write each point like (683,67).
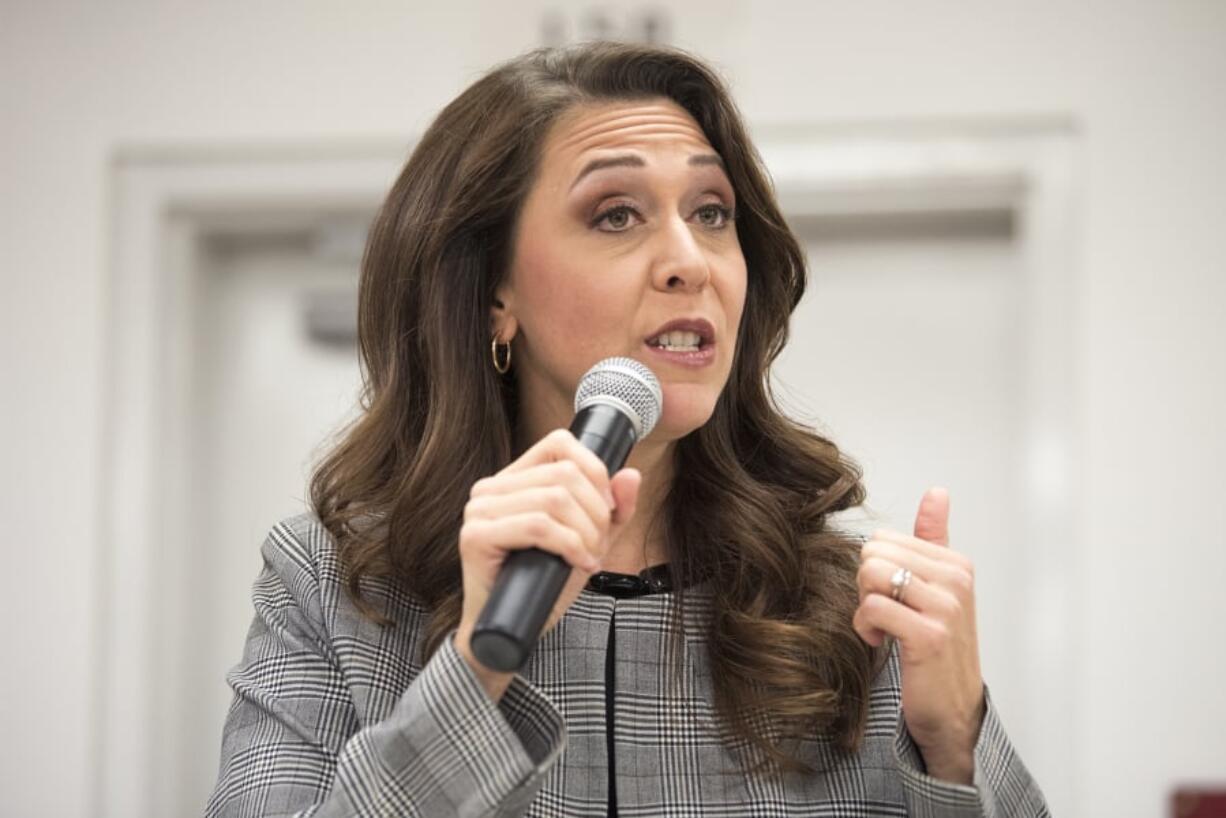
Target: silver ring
(899,582)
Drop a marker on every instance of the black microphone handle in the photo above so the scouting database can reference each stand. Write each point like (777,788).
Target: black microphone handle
(530,579)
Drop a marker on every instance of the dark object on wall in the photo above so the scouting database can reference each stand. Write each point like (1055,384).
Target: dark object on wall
(1203,801)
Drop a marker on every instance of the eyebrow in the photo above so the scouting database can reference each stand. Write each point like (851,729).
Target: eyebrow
(631,160)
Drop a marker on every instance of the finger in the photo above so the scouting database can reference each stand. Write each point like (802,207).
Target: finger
(875,577)
(872,635)
(560,444)
(951,571)
(933,570)
(537,529)
(557,501)
(932,519)
(921,636)
(941,553)
(560,473)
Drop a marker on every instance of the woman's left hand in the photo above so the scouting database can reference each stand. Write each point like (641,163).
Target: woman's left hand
(934,620)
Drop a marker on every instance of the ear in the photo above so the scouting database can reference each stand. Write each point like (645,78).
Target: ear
(503,324)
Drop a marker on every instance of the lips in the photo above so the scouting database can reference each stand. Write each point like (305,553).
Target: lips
(703,356)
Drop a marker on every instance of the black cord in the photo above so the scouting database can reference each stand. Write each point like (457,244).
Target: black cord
(610,662)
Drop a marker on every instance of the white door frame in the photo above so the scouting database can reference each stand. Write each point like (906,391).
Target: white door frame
(164,198)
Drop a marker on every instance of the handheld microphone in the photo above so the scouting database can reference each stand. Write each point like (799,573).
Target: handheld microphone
(617,404)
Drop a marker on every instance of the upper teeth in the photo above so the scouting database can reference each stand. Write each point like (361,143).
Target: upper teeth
(680,338)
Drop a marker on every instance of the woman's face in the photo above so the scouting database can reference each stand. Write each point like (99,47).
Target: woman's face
(626,229)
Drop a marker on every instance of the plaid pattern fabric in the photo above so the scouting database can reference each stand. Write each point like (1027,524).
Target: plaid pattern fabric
(334,716)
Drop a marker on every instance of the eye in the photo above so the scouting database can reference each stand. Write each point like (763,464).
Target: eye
(617,219)
(716,216)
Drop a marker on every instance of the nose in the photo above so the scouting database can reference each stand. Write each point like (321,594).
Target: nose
(680,264)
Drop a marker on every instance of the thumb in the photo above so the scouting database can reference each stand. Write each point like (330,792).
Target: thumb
(932,520)
(625,487)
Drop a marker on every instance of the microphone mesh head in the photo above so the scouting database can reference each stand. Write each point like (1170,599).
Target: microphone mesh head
(626,384)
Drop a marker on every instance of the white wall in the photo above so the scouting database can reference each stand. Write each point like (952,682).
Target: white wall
(1146,84)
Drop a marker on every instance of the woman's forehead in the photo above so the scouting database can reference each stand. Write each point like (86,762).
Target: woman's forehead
(594,127)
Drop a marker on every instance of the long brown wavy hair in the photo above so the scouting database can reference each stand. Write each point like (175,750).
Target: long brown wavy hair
(748,510)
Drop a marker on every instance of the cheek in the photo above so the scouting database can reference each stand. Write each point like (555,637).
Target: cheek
(735,294)
(572,311)
(739,307)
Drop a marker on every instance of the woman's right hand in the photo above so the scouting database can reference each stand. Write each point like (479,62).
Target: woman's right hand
(558,497)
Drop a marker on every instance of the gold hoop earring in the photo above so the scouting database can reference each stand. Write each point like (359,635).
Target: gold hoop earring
(506,365)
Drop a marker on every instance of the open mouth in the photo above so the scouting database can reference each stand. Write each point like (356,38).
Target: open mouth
(679,341)
(685,341)
(683,335)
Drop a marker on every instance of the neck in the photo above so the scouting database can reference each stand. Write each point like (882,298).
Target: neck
(640,544)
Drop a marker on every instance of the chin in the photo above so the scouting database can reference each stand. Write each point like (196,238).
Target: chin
(685,409)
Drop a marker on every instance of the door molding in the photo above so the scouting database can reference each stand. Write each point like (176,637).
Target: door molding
(164,198)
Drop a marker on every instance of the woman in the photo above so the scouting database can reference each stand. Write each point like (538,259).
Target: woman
(719,647)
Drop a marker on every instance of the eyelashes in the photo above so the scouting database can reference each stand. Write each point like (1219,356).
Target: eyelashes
(617,219)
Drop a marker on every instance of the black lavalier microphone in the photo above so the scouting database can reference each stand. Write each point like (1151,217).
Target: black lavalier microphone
(617,404)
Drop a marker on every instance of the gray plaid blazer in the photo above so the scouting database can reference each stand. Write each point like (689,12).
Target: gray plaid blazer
(335,716)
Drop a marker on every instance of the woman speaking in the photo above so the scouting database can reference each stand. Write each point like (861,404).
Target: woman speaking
(718,647)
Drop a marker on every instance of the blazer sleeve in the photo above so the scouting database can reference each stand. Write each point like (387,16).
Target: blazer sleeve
(1001,785)
(291,747)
